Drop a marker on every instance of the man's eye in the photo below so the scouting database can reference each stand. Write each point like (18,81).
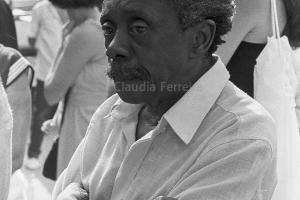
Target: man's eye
(107,29)
(138,29)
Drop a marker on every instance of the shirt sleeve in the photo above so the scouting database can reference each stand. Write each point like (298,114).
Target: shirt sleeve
(19,67)
(86,153)
(13,65)
(71,173)
(234,170)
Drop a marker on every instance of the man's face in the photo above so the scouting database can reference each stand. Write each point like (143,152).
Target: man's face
(146,48)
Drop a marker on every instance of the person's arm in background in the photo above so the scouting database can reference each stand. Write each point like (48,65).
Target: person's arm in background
(82,46)
(251,23)
(19,97)
(243,23)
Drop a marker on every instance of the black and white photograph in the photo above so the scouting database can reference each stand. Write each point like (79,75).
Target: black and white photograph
(149,99)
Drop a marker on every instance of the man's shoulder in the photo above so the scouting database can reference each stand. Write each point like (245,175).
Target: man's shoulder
(248,119)
(98,132)
(104,109)
(106,106)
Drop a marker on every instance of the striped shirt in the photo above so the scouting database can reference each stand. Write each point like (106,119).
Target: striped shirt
(12,65)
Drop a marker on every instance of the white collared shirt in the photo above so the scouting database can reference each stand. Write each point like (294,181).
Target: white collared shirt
(214,143)
(46,26)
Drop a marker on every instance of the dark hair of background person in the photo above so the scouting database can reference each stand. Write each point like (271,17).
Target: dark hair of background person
(293,22)
(8,36)
(69,4)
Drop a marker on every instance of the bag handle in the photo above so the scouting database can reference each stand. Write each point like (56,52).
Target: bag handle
(275,24)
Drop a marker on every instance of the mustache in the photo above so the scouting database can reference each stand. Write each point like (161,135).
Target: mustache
(119,72)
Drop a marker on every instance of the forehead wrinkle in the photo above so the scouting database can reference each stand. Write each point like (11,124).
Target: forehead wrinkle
(140,13)
(131,7)
(138,7)
(108,5)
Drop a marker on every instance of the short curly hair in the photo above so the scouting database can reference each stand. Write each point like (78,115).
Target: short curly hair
(67,4)
(191,12)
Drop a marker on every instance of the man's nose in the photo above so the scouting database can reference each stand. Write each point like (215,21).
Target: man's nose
(118,47)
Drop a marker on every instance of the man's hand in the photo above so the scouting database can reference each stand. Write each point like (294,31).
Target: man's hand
(164,198)
(74,191)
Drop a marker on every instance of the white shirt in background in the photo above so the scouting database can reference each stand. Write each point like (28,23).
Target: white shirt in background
(46,27)
(5,143)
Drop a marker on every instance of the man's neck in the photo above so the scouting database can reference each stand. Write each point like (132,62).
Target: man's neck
(165,101)
(152,112)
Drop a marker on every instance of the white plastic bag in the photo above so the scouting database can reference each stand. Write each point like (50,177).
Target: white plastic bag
(296,65)
(275,85)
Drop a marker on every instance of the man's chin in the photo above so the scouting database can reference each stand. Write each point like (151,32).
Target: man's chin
(133,97)
(135,91)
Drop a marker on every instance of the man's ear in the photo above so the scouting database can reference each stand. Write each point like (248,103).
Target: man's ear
(203,35)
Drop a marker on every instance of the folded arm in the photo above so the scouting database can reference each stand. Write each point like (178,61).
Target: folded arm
(234,170)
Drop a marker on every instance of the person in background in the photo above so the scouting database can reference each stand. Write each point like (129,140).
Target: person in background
(45,34)
(16,74)
(6,125)
(292,28)
(177,127)
(78,75)
(8,36)
(251,27)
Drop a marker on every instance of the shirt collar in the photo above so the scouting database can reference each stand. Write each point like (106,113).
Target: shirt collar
(192,107)
(186,115)
(121,109)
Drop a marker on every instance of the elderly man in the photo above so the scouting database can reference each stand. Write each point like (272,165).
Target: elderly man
(178,128)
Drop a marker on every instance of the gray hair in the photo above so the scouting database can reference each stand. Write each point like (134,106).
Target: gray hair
(191,12)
